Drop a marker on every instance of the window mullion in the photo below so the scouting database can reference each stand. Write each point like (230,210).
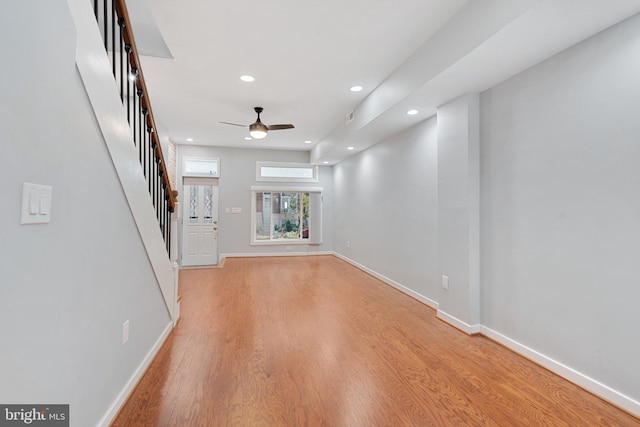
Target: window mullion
(271,217)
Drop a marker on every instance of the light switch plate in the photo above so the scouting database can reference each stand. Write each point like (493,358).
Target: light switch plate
(125,332)
(36,203)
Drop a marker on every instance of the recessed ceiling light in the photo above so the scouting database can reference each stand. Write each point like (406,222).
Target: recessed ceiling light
(189,139)
(351,148)
(325,162)
(412,112)
(248,138)
(307,142)
(356,88)
(247,78)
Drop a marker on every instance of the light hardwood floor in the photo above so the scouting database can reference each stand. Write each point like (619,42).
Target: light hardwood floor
(313,341)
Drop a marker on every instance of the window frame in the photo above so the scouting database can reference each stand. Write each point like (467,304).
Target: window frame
(274,189)
(215,160)
(261,178)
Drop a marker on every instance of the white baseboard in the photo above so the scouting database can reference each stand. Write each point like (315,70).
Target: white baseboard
(133,381)
(605,392)
(413,294)
(458,324)
(221,257)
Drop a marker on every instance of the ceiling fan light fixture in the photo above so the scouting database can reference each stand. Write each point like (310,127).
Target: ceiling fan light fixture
(258,130)
(258,134)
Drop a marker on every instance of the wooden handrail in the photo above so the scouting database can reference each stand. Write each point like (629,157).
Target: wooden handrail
(134,60)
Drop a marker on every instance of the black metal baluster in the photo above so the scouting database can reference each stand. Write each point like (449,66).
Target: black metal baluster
(157,189)
(168,222)
(95,8)
(151,163)
(140,127)
(136,103)
(164,186)
(158,186)
(154,195)
(113,36)
(164,210)
(127,48)
(121,54)
(106,30)
(145,157)
(143,137)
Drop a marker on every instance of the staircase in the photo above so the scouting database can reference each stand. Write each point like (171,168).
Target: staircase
(122,106)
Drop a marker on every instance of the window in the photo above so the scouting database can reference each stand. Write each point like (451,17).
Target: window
(196,166)
(286,172)
(286,216)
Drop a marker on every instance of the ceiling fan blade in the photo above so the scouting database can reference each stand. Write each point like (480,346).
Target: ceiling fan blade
(234,124)
(280,127)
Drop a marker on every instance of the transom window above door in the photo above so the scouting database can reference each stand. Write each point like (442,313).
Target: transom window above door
(286,172)
(201,167)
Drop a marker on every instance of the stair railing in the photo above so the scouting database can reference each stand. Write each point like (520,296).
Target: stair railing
(114,23)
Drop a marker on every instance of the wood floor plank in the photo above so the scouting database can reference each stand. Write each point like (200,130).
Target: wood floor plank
(313,341)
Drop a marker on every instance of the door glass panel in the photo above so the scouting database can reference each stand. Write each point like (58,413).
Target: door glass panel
(208,204)
(193,205)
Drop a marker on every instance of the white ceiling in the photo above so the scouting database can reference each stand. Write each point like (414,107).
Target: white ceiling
(305,55)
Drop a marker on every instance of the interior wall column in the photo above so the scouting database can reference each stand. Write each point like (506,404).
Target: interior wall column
(459,212)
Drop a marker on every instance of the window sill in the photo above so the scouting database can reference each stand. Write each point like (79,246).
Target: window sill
(280,242)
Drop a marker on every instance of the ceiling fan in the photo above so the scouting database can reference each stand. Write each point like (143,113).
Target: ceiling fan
(258,130)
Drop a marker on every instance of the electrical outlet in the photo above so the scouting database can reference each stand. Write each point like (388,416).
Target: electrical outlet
(289,248)
(445,282)
(125,332)
(348,243)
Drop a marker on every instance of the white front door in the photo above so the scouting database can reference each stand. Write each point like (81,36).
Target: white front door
(200,225)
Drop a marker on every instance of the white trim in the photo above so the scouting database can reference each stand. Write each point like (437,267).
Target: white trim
(133,381)
(286,189)
(601,390)
(413,294)
(458,324)
(281,242)
(200,180)
(267,254)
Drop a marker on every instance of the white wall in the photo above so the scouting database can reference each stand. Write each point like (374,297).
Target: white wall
(385,206)
(459,211)
(561,207)
(237,175)
(66,287)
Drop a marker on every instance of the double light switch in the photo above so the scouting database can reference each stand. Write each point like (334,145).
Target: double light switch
(36,203)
